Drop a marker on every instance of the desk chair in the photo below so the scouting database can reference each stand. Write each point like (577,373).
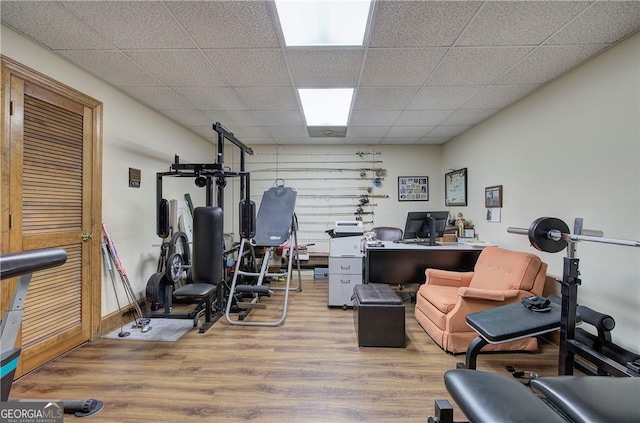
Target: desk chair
(388,233)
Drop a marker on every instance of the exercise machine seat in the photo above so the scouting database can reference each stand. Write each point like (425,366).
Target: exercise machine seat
(593,399)
(500,277)
(488,397)
(388,233)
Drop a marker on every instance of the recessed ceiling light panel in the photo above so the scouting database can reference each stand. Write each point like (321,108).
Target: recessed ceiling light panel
(327,106)
(323,22)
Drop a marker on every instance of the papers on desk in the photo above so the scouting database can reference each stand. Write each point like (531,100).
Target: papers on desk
(479,244)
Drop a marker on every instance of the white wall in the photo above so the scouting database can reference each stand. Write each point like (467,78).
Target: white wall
(571,149)
(317,212)
(133,136)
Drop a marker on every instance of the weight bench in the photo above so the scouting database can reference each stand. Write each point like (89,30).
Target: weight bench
(488,397)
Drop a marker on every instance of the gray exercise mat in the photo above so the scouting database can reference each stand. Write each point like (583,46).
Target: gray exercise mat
(161,330)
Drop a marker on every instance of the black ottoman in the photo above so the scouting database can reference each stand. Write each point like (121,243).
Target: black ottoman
(378,314)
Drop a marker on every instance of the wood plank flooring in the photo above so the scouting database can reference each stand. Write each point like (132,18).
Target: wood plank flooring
(308,370)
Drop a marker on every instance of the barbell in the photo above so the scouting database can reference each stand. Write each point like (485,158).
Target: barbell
(551,235)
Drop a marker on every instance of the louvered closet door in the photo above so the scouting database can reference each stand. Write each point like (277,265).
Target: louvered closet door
(55,164)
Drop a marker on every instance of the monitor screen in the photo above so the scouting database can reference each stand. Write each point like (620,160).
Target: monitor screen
(417,224)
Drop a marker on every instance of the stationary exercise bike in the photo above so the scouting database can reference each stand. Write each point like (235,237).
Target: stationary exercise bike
(22,265)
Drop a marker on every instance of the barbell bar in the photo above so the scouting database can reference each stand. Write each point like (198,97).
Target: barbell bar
(552,235)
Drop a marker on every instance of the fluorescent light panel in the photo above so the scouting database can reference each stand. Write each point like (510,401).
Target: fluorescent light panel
(323,22)
(327,106)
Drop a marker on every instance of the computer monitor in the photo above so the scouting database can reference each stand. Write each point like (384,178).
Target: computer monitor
(417,224)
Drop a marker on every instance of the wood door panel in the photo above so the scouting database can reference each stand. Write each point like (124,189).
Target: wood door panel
(51,198)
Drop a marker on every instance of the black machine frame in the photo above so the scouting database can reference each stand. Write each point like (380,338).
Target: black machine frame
(207,175)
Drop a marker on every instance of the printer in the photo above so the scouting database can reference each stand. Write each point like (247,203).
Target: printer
(348,228)
(346,240)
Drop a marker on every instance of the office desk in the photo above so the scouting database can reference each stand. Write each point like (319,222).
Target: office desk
(397,263)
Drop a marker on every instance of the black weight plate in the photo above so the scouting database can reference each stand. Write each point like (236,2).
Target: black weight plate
(174,267)
(155,290)
(539,234)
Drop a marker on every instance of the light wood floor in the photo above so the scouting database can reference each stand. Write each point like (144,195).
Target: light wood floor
(308,370)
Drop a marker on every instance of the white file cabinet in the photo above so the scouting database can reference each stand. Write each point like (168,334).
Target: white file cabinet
(344,274)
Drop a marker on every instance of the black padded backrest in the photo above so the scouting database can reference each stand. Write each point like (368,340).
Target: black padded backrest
(208,245)
(275,215)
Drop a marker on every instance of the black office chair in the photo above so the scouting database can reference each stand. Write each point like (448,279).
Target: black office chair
(388,233)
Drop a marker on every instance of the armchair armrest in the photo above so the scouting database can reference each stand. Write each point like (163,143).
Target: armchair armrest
(448,278)
(487,294)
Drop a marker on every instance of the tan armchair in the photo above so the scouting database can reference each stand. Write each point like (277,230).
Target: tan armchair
(500,277)
(388,233)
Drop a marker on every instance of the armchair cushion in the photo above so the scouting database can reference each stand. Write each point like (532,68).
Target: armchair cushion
(500,277)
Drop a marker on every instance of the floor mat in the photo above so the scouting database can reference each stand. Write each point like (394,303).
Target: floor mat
(161,330)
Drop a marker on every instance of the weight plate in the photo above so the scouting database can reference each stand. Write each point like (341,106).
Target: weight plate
(155,290)
(539,234)
(174,267)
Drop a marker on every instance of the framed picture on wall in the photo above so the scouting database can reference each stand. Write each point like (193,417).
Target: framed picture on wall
(455,188)
(413,188)
(493,196)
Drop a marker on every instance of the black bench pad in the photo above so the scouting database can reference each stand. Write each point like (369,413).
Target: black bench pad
(491,398)
(198,290)
(592,399)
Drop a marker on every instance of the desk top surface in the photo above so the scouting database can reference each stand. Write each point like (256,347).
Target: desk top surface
(392,245)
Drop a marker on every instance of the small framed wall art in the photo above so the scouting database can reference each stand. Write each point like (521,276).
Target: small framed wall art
(455,188)
(413,188)
(493,196)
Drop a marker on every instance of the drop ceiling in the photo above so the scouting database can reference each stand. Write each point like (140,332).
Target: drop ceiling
(428,70)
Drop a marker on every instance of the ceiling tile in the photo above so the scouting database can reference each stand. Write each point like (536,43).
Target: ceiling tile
(382,65)
(335,68)
(227,24)
(408,131)
(422,117)
(50,24)
(442,97)
(233,118)
(373,117)
(476,66)
(251,67)
(286,131)
(367,131)
(243,132)
(448,131)
(546,63)
(132,24)
(420,23)
(112,66)
(604,22)
(499,96)
(384,98)
(468,117)
(258,141)
(275,98)
(524,23)
(158,98)
(178,68)
(212,98)
(362,141)
(279,117)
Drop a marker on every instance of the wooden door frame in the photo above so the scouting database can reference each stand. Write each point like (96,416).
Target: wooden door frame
(12,68)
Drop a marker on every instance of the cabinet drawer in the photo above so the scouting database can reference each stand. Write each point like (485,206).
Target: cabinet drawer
(345,265)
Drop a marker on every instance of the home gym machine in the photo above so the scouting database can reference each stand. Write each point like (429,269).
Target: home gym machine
(206,276)
(22,265)
(487,397)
